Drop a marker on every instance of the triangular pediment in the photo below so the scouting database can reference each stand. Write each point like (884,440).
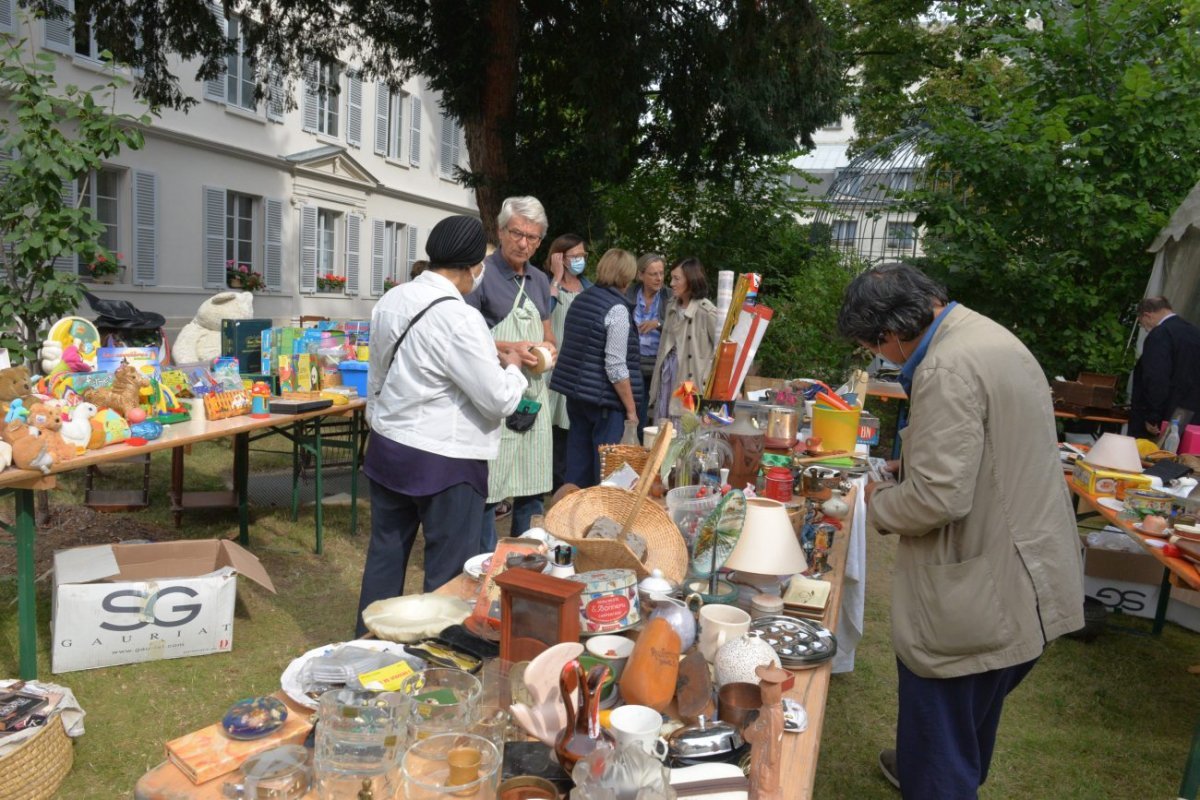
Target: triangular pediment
(332,162)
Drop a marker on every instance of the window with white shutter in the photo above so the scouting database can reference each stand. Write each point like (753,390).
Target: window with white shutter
(448,150)
(59,31)
(308,248)
(378,255)
(100,192)
(214,238)
(240,79)
(353,240)
(354,98)
(276,99)
(414,132)
(308,105)
(145,228)
(8,16)
(273,243)
(412,251)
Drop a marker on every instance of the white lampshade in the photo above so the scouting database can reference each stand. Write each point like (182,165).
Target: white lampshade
(1116,452)
(768,544)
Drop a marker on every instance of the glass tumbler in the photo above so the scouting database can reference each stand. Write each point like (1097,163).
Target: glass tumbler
(443,701)
(360,739)
(450,765)
(492,725)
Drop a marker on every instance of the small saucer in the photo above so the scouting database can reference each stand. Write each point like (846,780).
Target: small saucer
(1163,534)
(254,718)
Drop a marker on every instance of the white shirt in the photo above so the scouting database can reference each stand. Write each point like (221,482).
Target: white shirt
(445,392)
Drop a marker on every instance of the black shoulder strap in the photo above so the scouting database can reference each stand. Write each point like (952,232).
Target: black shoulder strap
(411,322)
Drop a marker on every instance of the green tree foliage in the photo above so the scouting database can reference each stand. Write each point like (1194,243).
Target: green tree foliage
(557,98)
(50,139)
(745,221)
(1079,140)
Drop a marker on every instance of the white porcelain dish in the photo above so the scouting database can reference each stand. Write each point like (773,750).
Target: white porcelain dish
(1111,503)
(290,679)
(413,616)
(476,566)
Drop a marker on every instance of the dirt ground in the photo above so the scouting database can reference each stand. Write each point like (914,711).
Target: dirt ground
(76,526)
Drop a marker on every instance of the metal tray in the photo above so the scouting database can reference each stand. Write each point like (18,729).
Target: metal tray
(797,642)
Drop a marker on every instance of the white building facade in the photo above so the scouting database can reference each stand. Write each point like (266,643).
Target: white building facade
(346,184)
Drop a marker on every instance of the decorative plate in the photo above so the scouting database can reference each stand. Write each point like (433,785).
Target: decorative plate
(476,566)
(799,643)
(290,679)
(254,717)
(1137,526)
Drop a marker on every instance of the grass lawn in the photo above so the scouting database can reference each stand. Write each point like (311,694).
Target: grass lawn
(1111,719)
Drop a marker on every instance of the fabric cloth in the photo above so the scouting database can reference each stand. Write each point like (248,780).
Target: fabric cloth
(448,520)
(591,426)
(456,241)
(444,392)
(558,403)
(946,730)
(597,339)
(495,296)
(419,473)
(643,312)
(988,567)
(918,355)
(1166,376)
(521,467)
(853,603)
(691,333)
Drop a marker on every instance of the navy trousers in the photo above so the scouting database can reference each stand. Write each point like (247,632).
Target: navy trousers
(947,730)
(591,426)
(446,516)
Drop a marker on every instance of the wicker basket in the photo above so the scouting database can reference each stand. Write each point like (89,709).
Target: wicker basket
(570,518)
(612,456)
(35,770)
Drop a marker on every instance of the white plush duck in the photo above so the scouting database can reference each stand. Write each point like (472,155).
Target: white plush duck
(77,430)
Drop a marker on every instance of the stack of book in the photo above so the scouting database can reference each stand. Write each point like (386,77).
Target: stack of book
(24,707)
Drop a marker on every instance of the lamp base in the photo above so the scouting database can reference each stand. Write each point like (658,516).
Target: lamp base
(726,593)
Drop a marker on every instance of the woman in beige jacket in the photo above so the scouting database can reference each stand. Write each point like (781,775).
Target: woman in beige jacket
(689,338)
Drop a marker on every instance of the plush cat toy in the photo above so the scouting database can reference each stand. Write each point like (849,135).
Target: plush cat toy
(29,450)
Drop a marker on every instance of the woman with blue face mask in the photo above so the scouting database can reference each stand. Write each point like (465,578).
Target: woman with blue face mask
(565,264)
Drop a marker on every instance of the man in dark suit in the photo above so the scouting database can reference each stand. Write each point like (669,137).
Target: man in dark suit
(1167,375)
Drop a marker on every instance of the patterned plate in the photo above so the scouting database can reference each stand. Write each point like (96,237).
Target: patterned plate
(254,717)
(798,642)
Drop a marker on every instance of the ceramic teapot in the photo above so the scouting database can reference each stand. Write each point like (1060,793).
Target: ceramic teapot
(835,507)
(679,614)
(737,659)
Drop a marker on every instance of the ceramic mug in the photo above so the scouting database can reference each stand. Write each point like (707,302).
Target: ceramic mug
(639,725)
(719,624)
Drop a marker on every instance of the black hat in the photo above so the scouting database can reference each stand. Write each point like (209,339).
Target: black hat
(456,242)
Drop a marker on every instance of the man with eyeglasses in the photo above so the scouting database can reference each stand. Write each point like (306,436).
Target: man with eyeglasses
(1167,374)
(514,298)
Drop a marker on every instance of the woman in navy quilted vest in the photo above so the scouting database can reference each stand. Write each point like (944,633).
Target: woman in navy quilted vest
(598,368)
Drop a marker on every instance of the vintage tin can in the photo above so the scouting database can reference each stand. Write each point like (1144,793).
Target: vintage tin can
(779,484)
(609,601)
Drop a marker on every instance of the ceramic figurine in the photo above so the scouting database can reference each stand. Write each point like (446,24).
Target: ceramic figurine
(835,506)
(765,736)
(77,430)
(583,733)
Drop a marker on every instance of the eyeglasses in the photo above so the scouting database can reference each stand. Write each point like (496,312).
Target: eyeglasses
(532,238)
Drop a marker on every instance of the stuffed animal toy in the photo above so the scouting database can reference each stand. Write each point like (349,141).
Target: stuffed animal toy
(123,395)
(49,421)
(77,430)
(5,455)
(200,339)
(14,384)
(29,448)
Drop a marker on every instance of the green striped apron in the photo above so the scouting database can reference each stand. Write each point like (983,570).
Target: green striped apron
(522,467)
(558,323)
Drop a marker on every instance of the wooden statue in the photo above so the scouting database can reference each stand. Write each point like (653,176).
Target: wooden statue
(765,736)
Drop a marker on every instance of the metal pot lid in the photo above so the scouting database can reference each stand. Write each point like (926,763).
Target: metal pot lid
(705,738)
(797,642)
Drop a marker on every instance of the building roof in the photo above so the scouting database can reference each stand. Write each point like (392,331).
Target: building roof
(823,158)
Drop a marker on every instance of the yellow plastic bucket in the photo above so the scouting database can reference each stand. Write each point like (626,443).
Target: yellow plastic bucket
(837,430)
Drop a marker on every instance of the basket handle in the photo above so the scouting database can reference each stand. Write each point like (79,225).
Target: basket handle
(657,453)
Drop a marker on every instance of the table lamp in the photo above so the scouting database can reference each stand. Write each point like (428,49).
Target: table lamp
(1116,452)
(768,544)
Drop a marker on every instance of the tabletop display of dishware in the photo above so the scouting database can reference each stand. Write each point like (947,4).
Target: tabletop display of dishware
(443,701)
(358,743)
(800,643)
(719,624)
(706,739)
(639,726)
(493,724)
(458,765)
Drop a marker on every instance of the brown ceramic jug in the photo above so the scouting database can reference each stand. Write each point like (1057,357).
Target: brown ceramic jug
(653,666)
(582,733)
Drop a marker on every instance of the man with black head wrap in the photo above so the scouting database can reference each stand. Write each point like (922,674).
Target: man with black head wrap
(435,400)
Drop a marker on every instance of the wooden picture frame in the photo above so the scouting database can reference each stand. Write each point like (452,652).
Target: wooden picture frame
(536,612)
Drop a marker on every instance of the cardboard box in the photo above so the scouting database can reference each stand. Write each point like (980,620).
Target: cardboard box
(1106,482)
(1091,390)
(1130,582)
(126,603)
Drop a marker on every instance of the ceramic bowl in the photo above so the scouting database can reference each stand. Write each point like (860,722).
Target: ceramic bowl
(613,649)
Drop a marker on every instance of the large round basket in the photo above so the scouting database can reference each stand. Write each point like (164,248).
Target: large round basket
(35,770)
(570,518)
(612,456)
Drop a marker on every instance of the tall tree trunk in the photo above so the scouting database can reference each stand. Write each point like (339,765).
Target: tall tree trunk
(489,132)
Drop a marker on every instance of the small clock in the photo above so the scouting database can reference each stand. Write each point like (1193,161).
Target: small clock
(537,611)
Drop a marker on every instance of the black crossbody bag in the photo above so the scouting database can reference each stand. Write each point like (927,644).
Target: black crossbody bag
(396,346)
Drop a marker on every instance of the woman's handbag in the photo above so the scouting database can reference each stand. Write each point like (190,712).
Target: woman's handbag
(523,418)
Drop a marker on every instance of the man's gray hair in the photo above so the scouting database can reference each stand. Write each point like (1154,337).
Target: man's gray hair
(528,207)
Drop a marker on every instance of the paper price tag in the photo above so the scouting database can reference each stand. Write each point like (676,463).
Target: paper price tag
(386,679)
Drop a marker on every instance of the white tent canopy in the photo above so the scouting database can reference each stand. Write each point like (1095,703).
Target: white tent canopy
(1176,249)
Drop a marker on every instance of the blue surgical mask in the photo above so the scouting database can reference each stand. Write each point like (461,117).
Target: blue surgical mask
(577,265)
(476,280)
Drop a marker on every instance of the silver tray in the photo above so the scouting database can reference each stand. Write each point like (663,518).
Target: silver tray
(797,642)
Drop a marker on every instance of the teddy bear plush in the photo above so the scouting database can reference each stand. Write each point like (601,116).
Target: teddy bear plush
(29,447)
(48,420)
(200,339)
(15,385)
